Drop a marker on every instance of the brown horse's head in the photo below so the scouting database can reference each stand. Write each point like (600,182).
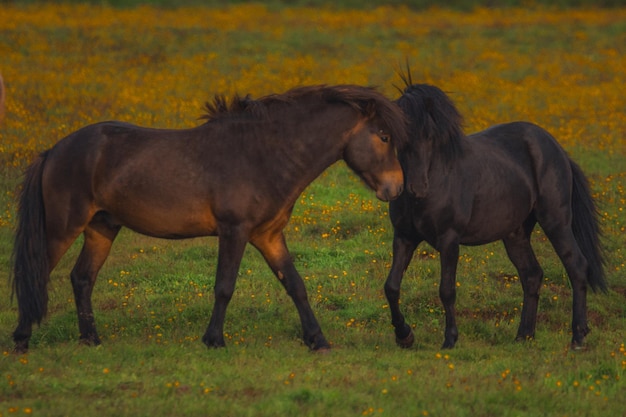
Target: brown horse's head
(371,154)
(374,142)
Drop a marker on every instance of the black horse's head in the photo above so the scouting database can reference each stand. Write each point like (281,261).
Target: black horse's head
(435,130)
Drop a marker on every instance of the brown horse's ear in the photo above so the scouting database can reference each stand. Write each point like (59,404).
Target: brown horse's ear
(370,108)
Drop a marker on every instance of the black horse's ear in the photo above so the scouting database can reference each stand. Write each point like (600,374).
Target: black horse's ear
(405,76)
(408,80)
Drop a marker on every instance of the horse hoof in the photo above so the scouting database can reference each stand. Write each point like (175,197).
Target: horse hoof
(214,345)
(319,346)
(325,350)
(522,339)
(448,344)
(406,342)
(20,349)
(90,341)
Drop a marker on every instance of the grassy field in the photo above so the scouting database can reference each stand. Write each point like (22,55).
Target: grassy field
(66,66)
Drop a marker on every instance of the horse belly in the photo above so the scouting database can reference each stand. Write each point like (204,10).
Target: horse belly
(497,219)
(176,220)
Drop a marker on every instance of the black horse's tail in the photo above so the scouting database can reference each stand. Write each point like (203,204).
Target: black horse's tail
(30,252)
(586,229)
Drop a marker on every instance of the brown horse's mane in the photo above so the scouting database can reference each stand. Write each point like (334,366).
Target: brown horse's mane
(365,100)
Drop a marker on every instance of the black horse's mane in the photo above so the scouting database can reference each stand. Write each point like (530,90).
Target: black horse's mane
(365,100)
(432,117)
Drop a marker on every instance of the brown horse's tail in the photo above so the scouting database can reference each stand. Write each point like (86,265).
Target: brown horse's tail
(587,229)
(30,252)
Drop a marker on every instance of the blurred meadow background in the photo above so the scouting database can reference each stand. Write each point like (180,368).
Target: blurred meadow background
(558,64)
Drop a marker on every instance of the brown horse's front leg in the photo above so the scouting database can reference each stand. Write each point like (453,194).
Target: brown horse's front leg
(447,292)
(232,242)
(294,285)
(402,253)
(273,247)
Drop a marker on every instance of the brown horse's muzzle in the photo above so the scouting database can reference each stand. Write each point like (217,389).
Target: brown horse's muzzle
(391,187)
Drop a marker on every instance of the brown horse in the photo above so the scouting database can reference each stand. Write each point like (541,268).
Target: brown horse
(237,177)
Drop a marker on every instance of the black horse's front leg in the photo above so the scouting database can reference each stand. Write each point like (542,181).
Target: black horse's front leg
(402,253)
(447,291)
(232,242)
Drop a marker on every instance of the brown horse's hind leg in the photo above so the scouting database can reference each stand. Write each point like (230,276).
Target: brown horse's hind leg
(55,249)
(531,275)
(274,250)
(99,237)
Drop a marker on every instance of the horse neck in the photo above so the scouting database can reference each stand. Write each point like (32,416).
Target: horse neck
(293,150)
(447,165)
(316,143)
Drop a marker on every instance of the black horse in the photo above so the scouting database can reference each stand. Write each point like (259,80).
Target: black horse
(237,177)
(493,185)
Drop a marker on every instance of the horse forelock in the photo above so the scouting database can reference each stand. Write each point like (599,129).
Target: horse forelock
(433,117)
(373,105)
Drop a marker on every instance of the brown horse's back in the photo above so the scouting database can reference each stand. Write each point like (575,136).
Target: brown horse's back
(156,182)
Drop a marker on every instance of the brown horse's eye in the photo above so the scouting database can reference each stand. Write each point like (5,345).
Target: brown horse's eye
(384,138)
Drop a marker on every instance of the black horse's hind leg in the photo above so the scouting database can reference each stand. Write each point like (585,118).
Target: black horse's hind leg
(403,250)
(274,249)
(576,265)
(447,289)
(531,275)
(99,237)
(232,243)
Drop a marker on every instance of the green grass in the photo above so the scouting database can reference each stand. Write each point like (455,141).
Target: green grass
(153,302)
